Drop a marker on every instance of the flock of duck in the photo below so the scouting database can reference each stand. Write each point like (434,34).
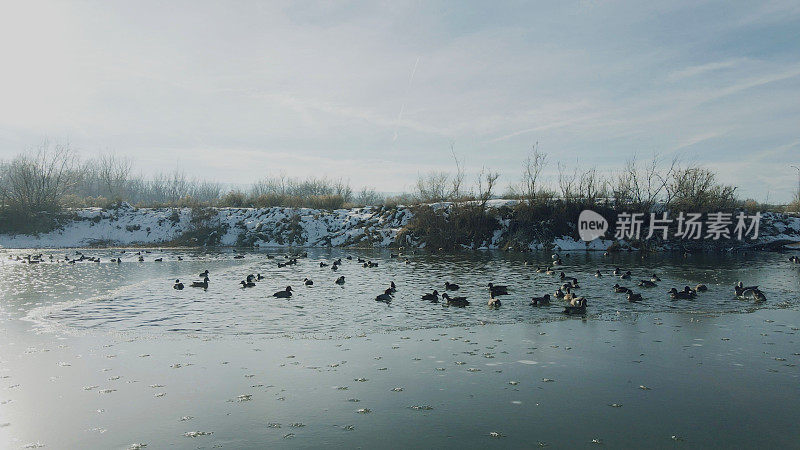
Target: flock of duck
(573,303)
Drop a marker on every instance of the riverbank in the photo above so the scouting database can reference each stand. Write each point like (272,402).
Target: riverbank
(661,381)
(364,227)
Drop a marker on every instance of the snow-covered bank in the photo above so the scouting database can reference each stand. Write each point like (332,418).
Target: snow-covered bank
(301,227)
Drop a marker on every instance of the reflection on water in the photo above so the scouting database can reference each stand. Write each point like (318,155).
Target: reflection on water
(138,297)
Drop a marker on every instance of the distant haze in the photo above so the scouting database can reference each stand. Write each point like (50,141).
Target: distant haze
(376,92)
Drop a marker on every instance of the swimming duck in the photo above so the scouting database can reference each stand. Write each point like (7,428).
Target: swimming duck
(392,287)
(701,288)
(340,280)
(559,293)
(626,276)
(690,291)
(201,284)
(676,295)
(286,293)
(539,301)
(308,282)
(247,284)
(578,307)
(455,301)
(794,259)
(617,272)
(204,274)
(562,275)
(539,270)
(496,290)
(598,274)
(620,289)
(386,297)
(158,259)
(260,277)
(655,278)
(448,286)
(322,264)
(550,272)
(647,283)
(494,303)
(740,288)
(250,278)
(633,298)
(178,285)
(432,296)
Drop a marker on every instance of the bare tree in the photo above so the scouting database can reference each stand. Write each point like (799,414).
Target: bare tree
(114,172)
(531,170)
(37,181)
(458,179)
(485,184)
(566,181)
(433,187)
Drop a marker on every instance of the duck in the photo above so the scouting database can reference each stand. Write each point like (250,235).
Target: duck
(620,289)
(322,264)
(539,301)
(178,285)
(247,284)
(340,280)
(598,274)
(386,297)
(794,259)
(626,275)
(676,295)
(308,282)
(286,293)
(392,287)
(633,297)
(559,293)
(569,296)
(617,272)
(539,270)
(558,262)
(655,278)
(743,291)
(578,306)
(250,278)
(562,275)
(647,283)
(201,284)
(158,259)
(550,272)
(455,301)
(496,290)
(433,296)
(494,303)
(204,274)
(690,291)
(448,286)
(260,277)
(701,288)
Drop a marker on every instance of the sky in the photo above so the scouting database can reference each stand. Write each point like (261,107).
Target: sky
(378,92)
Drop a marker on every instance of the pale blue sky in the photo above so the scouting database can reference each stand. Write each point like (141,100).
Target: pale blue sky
(375,92)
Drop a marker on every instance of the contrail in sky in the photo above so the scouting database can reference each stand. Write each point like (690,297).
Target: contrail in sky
(403,106)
